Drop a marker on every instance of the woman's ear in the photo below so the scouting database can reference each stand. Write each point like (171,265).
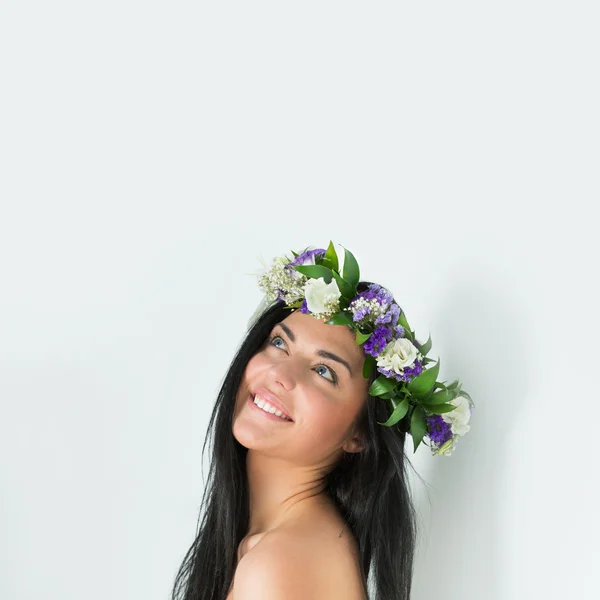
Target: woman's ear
(354,444)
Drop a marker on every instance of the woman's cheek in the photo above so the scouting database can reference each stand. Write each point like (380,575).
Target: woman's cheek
(257,363)
(318,412)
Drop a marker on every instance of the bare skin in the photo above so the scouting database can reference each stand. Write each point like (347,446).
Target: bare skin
(287,461)
(312,544)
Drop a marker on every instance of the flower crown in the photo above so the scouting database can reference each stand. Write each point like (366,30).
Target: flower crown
(419,404)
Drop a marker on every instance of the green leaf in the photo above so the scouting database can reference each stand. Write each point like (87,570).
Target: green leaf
(368,366)
(294,253)
(438,409)
(424,399)
(421,384)
(441,397)
(381,385)
(351,271)
(326,263)
(315,271)
(463,393)
(347,290)
(418,426)
(297,304)
(331,256)
(407,331)
(361,338)
(398,413)
(340,318)
(402,320)
(426,347)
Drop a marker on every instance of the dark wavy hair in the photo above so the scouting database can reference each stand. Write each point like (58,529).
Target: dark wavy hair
(370,489)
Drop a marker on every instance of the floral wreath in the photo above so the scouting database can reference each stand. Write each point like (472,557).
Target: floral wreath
(419,404)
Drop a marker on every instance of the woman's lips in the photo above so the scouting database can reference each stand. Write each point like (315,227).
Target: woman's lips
(264,413)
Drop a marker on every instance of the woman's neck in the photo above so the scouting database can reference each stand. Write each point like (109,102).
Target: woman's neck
(280,491)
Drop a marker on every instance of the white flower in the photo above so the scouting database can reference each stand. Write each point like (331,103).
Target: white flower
(397,355)
(322,297)
(459,417)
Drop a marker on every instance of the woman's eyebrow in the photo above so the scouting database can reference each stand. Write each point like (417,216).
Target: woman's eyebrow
(323,353)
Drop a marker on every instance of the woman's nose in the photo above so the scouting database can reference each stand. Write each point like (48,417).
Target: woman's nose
(285,373)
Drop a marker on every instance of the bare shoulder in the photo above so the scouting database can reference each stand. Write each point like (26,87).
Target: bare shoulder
(304,562)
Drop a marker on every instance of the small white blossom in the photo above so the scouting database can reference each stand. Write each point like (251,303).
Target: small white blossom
(375,308)
(398,354)
(277,277)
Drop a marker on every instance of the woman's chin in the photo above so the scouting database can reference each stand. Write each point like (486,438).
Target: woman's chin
(255,431)
(247,431)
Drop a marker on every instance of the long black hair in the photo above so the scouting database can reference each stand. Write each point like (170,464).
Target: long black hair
(370,488)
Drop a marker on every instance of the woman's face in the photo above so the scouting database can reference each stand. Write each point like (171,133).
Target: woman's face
(322,395)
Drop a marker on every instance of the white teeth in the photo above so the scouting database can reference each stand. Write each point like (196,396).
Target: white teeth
(262,403)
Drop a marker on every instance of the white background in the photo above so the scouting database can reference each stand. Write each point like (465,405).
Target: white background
(151,153)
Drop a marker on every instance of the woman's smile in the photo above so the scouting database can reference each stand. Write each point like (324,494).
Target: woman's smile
(257,409)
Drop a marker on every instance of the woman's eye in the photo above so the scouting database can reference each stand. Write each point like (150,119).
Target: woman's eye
(275,337)
(333,379)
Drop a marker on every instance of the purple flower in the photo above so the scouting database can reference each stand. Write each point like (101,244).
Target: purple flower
(308,255)
(377,302)
(416,369)
(399,331)
(378,341)
(390,316)
(304,308)
(376,292)
(361,313)
(407,374)
(438,430)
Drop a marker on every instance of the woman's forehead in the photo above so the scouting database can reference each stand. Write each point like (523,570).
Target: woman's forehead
(336,338)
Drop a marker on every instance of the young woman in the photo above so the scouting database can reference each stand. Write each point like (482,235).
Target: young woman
(307,496)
